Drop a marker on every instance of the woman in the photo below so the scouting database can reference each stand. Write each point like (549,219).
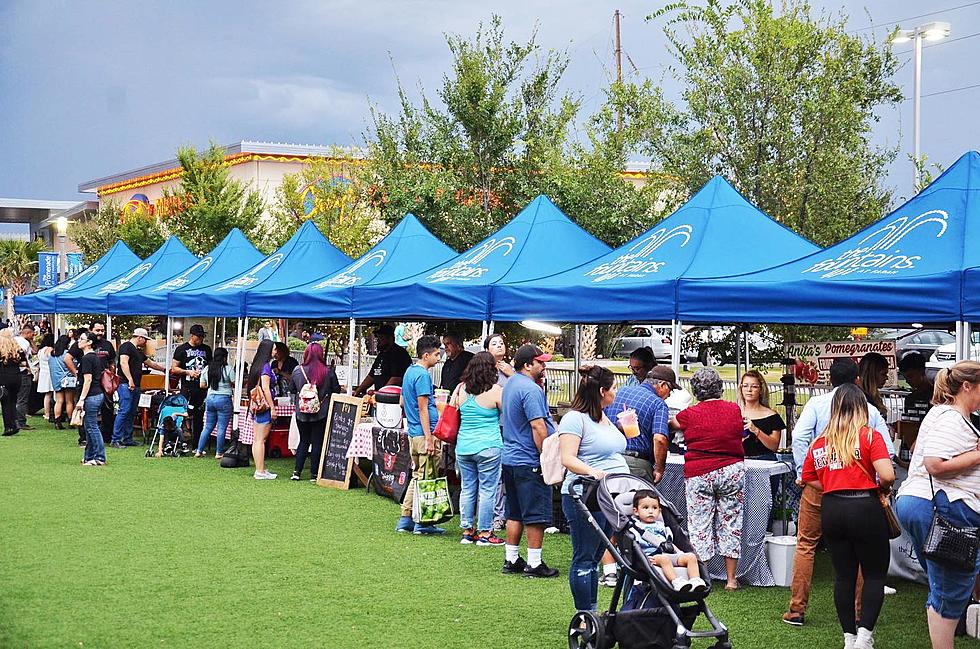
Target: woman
(714,472)
(945,471)
(592,446)
(497,347)
(261,378)
(478,447)
(873,374)
(12,358)
(44,375)
(283,365)
(763,426)
(843,462)
(312,425)
(63,382)
(219,380)
(642,361)
(90,401)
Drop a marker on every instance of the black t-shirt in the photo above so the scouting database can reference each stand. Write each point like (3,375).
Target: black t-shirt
(91,364)
(391,362)
(752,445)
(453,368)
(136,358)
(102,348)
(192,359)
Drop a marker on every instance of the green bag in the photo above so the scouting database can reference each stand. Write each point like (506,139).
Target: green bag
(432,504)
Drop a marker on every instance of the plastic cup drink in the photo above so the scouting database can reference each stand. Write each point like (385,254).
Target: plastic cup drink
(628,422)
(442,398)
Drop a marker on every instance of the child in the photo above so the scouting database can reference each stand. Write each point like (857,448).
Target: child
(654,534)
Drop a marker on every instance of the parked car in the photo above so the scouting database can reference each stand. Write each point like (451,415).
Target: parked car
(923,341)
(657,339)
(945,355)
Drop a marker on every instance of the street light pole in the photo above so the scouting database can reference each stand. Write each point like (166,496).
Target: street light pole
(61,226)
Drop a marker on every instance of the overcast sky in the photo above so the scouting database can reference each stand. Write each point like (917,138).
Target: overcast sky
(89,89)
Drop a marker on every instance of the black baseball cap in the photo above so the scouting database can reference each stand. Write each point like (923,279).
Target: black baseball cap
(528,353)
(197,330)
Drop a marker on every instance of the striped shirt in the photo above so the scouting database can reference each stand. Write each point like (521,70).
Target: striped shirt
(944,433)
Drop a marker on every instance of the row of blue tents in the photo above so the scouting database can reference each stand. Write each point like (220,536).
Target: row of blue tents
(717,259)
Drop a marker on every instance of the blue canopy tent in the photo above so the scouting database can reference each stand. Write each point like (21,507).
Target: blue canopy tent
(539,241)
(906,268)
(232,256)
(717,230)
(93,298)
(400,254)
(118,259)
(306,253)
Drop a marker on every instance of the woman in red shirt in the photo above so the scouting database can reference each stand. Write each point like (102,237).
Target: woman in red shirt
(843,462)
(714,472)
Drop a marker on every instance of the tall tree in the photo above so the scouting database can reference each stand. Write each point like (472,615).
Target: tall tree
(781,103)
(18,264)
(208,202)
(139,230)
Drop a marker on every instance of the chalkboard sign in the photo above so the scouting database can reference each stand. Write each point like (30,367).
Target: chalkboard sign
(392,462)
(335,466)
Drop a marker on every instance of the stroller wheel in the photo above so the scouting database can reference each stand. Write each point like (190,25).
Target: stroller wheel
(586,631)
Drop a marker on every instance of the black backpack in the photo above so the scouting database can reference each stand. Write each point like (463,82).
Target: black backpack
(236,455)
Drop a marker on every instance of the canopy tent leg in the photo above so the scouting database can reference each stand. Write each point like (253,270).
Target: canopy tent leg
(959,340)
(214,334)
(967,341)
(483,335)
(748,362)
(239,370)
(224,340)
(738,354)
(167,361)
(490,328)
(675,351)
(350,357)
(108,328)
(577,358)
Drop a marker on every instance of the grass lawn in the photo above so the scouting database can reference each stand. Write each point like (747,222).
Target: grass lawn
(180,553)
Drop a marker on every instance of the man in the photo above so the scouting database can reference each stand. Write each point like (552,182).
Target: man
(913,369)
(25,340)
(107,355)
(132,358)
(456,361)
(191,360)
(526,423)
(389,366)
(269,332)
(812,421)
(419,402)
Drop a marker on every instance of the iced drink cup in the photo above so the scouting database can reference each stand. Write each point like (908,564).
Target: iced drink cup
(442,398)
(628,422)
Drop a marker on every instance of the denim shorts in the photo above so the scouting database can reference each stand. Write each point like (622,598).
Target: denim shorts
(262,417)
(949,589)
(528,498)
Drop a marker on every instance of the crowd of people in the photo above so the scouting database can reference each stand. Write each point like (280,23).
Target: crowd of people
(842,450)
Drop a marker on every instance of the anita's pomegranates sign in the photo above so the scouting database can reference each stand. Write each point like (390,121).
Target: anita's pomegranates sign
(813,360)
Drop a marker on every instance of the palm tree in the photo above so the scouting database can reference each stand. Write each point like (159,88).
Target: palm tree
(18,264)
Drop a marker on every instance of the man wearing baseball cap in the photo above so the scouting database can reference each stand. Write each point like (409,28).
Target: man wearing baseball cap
(526,422)
(190,361)
(390,364)
(132,358)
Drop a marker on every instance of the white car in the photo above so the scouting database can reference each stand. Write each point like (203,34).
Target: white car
(945,356)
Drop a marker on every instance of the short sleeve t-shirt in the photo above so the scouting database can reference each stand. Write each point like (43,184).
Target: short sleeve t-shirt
(944,433)
(92,365)
(193,359)
(136,358)
(822,467)
(523,401)
(653,535)
(715,427)
(225,386)
(391,362)
(601,444)
(417,383)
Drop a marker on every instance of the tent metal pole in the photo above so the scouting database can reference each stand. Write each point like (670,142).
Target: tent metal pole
(214,335)
(490,328)
(239,356)
(350,358)
(108,328)
(577,354)
(748,362)
(959,340)
(483,336)
(224,339)
(967,341)
(167,361)
(675,351)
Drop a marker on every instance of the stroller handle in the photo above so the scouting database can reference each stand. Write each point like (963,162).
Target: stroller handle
(586,481)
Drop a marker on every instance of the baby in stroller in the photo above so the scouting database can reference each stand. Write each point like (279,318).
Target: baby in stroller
(168,437)
(655,539)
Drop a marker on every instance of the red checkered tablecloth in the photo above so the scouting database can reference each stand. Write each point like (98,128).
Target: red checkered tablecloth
(247,425)
(362,441)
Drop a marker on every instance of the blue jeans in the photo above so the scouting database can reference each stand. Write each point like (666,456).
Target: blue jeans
(949,589)
(217,413)
(587,549)
(94,446)
(122,429)
(478,472)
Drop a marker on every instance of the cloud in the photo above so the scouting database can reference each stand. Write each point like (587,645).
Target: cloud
(299,101)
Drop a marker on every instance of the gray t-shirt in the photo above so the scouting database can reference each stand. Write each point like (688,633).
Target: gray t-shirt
(601,446)
(225,386)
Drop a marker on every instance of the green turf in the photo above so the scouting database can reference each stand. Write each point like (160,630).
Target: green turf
(179,553)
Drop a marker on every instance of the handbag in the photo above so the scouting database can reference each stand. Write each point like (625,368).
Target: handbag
(308,398)
(256,400)
(552,470)
(69,381)
(946,544)
(77,417)
(894,527)
(109,381)
(236,455)
(447,428)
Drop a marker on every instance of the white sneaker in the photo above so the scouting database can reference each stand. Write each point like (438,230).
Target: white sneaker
(697,583)
(265,475)
(681,585)
(865,639)
(889,590)
(849,639)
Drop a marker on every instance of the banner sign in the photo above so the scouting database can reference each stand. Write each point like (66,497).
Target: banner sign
(813,360)
(47,269)
(76,261)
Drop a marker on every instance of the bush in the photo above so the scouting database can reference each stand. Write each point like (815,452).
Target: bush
(295,344)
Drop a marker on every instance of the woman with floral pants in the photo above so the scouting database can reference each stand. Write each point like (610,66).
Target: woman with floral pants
(714,472)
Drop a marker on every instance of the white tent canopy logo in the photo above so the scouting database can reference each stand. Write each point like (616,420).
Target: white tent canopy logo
(123,282)
(636,263)
(251,277)
(878,253)
(186,277)
(471,268)
(74,281)
(347,277)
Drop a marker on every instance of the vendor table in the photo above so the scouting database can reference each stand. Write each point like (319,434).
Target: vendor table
(753,565)
(362,442)
(247,430)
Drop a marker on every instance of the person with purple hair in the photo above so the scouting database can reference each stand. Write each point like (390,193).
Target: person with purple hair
(312,426)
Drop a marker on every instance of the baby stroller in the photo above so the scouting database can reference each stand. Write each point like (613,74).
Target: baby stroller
(653,615)
(168,435)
